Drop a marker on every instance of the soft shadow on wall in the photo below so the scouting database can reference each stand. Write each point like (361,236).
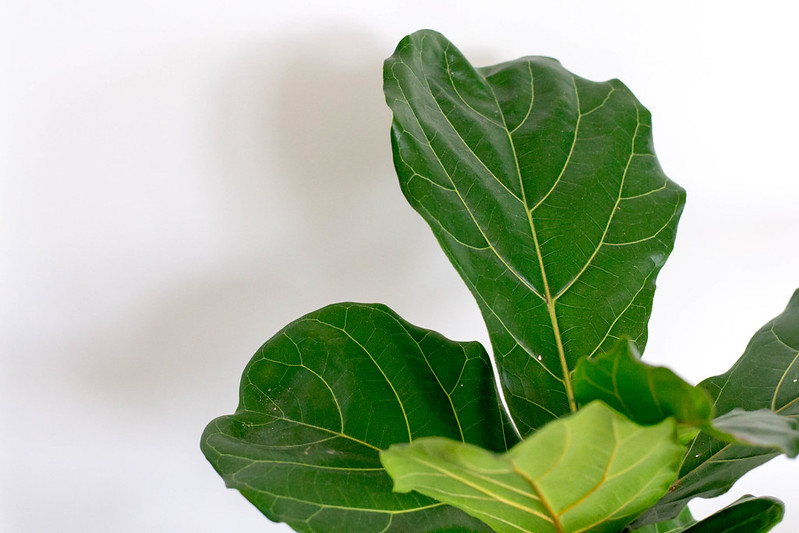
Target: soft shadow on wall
(300,184)
(298,190)
(288,184)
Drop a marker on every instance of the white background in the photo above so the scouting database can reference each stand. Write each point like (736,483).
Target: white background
(181,179)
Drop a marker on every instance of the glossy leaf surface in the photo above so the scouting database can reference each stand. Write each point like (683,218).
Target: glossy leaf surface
(545,193)
(765,377)
(675,525)
(592,471)
(646,394)
(322,398)
(762,428)
(746,515)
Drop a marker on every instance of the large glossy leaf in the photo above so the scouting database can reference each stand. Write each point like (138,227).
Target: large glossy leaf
(646,394)
(746,515)
(592,471)
(545,193)
(320,400)
(765,377)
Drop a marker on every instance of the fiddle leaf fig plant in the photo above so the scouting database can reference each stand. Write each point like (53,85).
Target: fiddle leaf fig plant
(544,191)
(591,471)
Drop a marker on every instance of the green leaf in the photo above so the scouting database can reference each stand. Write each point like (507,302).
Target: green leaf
(765,377)
(592,471)
(648,394)
(320,400)
(676,525)
(545,193)
(763,428)
(645,394)
(746,515)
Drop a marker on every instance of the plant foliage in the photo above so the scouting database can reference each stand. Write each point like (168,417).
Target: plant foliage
(544,191)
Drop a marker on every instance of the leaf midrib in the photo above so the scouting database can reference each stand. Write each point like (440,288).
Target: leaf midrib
(487,492)
(548,300)
(547,297)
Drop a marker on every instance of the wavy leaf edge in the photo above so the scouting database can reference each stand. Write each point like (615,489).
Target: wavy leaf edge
(751,434)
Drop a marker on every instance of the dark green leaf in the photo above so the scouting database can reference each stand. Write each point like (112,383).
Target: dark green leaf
(765,377)
(763,428)
(646,394)
(325,395)
(676,525)
(592,471)
(545,193)
(746,515)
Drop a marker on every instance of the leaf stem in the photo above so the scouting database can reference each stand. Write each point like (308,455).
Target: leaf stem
(553,317)
(567,380)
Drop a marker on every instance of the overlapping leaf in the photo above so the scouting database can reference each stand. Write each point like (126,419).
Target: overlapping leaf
(646,394)
(545,193)
(762,428)
(746,515)
(325,395)
(592,471)
(676,525)
(765,377)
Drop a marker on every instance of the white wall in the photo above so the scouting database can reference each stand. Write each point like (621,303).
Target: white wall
(181,179)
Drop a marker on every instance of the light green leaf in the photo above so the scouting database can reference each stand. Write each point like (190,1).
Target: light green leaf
(545,193)
(746,515)
(320,400)
(592,471)
(646,394)
(765,377)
